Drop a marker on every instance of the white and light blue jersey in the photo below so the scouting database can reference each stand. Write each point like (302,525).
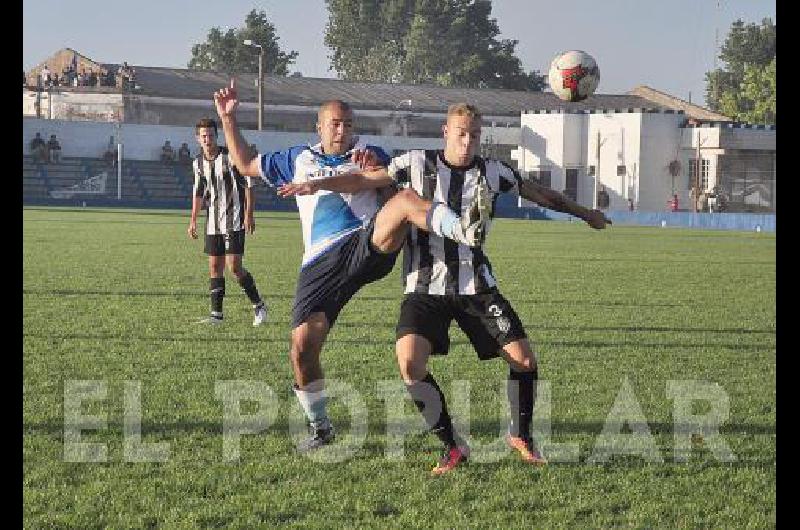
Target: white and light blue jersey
(327,217)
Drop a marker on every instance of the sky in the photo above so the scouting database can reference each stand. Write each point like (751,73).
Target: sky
(665,44)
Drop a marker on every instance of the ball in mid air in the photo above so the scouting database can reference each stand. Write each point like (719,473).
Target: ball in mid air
(573,75)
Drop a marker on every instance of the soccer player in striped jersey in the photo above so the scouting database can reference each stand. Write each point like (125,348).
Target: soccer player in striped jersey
(349,239)
(447,280)
(229,216)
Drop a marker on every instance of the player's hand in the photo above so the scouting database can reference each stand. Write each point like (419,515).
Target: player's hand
(597,219)
(192,231)
(366,159)
(296,188)
(226,100)
(249,224)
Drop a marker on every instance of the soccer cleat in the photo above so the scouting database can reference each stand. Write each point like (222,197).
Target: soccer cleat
(318,438)
(451,458)
(474,222)
(260,314)
(210,320)
(526,449)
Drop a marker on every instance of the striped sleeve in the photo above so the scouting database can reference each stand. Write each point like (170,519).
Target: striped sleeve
(510,180)
(398,168)
(199,188)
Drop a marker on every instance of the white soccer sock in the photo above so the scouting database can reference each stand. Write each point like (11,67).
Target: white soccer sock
(444,222)
(314,402)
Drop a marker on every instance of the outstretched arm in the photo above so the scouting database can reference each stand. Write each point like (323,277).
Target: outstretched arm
(344,183)
(559,202)
(226,100)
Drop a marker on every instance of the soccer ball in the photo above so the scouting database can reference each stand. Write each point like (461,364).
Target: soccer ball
(573,75)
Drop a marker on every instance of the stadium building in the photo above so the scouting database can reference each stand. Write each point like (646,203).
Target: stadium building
(642,148)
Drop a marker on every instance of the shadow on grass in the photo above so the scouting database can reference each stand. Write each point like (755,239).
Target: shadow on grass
(480,428)
(202,294)
(387,342)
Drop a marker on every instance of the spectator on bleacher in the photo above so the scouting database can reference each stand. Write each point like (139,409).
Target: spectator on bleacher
(184,155)
(38,149)
(93,79)
(167,153)
(54,148)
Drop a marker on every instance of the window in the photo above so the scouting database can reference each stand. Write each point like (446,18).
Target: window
(621,170)
(704,163)
(590,171)
(571,188)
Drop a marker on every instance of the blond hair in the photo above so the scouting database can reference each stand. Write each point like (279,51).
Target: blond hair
(464,109)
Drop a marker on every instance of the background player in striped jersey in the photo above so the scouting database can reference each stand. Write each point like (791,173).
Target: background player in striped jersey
(349,240)
(446,281)
(229,215)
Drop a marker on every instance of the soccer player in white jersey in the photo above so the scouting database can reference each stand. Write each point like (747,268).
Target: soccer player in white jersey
(446,281)
(349,239)
(230,215)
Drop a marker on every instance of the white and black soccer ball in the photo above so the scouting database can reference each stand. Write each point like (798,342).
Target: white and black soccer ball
(573,75)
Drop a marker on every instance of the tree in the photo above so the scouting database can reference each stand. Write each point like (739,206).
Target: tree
(444,42)
(742,89)
(226,52)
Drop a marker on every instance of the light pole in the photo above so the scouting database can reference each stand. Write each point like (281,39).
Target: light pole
(260,81)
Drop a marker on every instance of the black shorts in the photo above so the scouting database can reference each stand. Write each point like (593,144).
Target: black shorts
(328,283)
(487,319)
(222,244)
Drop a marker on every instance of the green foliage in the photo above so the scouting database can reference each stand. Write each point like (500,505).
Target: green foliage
(226,52)
(745,89)
(442,42)
(111,295)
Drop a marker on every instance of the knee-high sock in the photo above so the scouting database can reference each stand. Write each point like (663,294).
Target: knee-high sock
(248,285)
(314,401)
(521,391)
(217,292)
(431,404)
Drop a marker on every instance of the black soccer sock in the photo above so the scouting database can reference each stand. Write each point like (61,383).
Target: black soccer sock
(521,391)
(248,285)
(217,291)
(425,394)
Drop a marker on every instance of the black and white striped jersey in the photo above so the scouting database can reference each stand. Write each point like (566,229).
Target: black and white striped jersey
(436,265)
(220,183)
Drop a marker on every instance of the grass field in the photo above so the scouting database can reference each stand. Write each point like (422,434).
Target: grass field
(111,296)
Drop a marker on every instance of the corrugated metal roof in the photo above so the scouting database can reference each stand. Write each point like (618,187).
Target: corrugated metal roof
(194,84)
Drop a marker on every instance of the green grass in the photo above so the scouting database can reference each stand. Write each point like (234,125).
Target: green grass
(111,296)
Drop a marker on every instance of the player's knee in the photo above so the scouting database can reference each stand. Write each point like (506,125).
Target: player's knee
(236,268)
(407,195)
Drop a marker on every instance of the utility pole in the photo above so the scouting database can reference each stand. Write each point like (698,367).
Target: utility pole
(596,172)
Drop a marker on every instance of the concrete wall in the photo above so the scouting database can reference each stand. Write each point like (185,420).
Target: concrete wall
(74,105)
(143,142)
(660,143)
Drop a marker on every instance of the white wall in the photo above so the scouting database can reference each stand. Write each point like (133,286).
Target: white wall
(143,142)
(644,143)
(661,137)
